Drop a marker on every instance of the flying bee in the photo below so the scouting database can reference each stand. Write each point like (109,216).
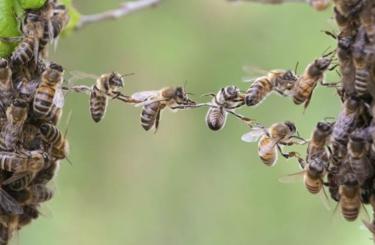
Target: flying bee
(154,102)
(49,91)
(306,84)
(358,148)
(343,126)
(271,139)
(350,197)
(16,117)
(58,142)
(227,100)
(319,5)
(319,140)
(280,81)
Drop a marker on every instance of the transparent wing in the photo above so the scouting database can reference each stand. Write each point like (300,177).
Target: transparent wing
(58,98)
(144,97)
(11,39)
(73,76)
(253,135)
(8,204)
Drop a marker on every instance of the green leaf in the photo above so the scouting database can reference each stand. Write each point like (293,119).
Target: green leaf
(9,26)
(31,4)
(74,17)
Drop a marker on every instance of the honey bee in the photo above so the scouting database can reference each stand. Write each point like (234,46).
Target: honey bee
(26,88)
(154,102)
(23,161)
(6,85)
(58,142)
(59,19)
(347,68)
(30,137)
(344,126)
(16,117)
(358,147)
(306,84)
(319,5)
(320,137)
(35,194)
(280,81)
(49,91)
(350,197)
(8,205)
(349,8)
(225,101)
(367,20)
(271,139)
(107,85)
(332,182)
(47,174)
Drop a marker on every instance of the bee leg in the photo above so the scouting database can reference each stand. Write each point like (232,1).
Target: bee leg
(208,94)
(191,106)
(157,121)
(302,140)
(330,85)
(241,117)
(290,155)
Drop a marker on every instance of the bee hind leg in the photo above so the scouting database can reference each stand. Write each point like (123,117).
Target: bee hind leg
(291,155)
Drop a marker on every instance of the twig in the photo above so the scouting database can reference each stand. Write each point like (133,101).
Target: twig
(125,9)
(270,1)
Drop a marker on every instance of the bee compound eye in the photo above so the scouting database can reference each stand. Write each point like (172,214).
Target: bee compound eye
(3,63)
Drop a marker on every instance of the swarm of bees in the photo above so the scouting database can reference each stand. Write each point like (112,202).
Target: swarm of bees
(340,154)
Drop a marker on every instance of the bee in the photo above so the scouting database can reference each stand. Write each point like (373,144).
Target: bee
(350,197)
(349,8)
(343,126)
(154,102)
(306,84)
(361,55)
(6,85)
(332,182)
(8,205)
(367,20)
(49,91)
(35,194)
(345,58)
(23,161)
(225,101)
(271,139)
(320,138)
(28,48)
(107,85)
(319,5)
(26,88)
(358,147)
(47,174)
(58,142)
(30,137)
(16,117)
(59,19)
(280,81)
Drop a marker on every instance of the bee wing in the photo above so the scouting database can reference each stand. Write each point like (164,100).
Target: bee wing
(8,204)
(292,178)
(253,135)
(324,197)
(74,76)
(144,97)
(11,39)
(58,98)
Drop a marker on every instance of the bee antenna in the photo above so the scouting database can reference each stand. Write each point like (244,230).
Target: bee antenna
(69,161)
(68,120)
(128,74)
(296,67)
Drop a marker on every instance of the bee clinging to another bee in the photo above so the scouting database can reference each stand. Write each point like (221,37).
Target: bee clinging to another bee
(271,139)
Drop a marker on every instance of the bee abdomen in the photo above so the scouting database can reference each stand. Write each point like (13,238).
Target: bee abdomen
(258,91)
(314,189)
(216,118)
(148,115)
(22,183)
(23,52)
(40,193)
(350,214)
(360,83)
(98,105)
(43,101)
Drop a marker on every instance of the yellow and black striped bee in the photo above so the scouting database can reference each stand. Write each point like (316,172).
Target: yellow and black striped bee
(154,102)
(227,100)
(280,81)
(16,115)
(56,140)
(34,194)
(270,140)
(319,140)
(306,84)
(350,197)
(23,161)
(49,92)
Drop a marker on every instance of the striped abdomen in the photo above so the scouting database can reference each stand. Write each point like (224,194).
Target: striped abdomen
(43,100)
(21,183)
(216,118)
(98,104)
(53,136)
(9,136)
(149,115)
(24,51)
(258,91)
(313,185)
(303,89)
(350,204)
(267,150)
(361,81)
(39,193)
(11,162)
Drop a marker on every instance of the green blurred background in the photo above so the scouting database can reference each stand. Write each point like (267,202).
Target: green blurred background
(187,185)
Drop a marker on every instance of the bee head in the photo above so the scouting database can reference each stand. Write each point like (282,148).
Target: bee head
(116,80)
(19,103)
(291,126)
(349,179)
(44,128)
(33,16)
(352,103)
(323,63)
(289,76)
(316,166)
(56,67)
(324,126)
(231,92)
(3,63)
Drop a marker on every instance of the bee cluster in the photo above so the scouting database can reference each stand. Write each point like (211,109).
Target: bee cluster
(31,102)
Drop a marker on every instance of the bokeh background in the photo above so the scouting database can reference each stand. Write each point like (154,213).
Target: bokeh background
(187,185)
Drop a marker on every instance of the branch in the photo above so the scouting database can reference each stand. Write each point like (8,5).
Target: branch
(125,9)
(270,1)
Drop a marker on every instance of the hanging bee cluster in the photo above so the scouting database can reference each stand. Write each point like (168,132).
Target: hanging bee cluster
(31,102)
